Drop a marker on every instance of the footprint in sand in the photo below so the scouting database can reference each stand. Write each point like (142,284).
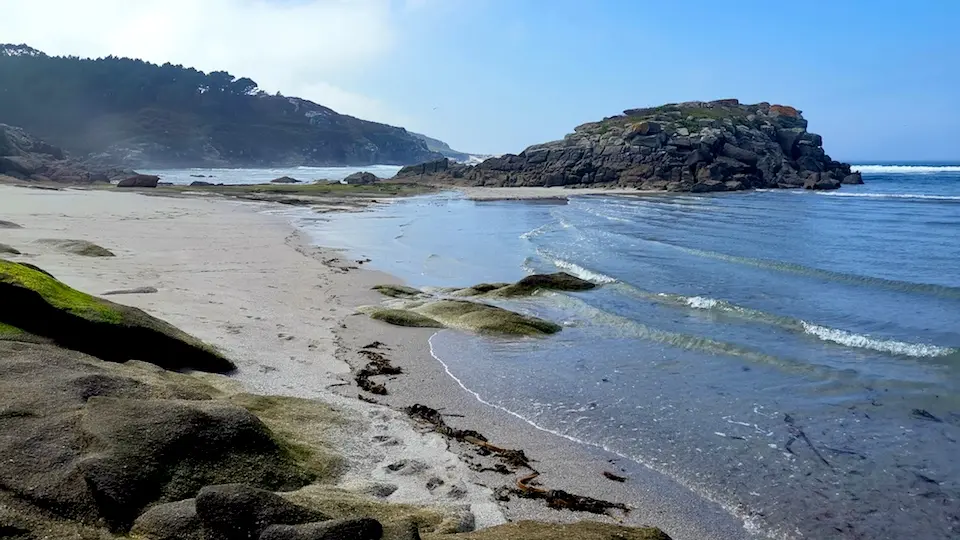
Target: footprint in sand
(407,467)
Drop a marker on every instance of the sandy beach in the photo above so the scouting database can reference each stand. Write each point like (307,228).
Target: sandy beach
(239,276)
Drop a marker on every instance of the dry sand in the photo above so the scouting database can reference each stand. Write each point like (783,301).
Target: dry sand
(237,275)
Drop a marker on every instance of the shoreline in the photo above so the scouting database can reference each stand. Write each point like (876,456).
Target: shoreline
(241,279)
(541,193)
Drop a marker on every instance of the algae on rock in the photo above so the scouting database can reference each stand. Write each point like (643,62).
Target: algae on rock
(583,530)
(397,291)
(39,304)
(403,317)
(486,319)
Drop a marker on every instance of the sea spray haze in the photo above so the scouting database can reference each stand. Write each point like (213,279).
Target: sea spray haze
(794,355)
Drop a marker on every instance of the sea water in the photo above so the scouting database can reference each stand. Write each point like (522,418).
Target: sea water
(792,355)
(261,176)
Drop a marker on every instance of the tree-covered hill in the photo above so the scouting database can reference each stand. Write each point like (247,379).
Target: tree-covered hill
(143,115)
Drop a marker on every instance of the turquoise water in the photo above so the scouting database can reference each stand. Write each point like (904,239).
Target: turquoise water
(792,355)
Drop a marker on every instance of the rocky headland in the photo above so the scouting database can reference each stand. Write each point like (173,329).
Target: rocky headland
(694,146)
(26,157)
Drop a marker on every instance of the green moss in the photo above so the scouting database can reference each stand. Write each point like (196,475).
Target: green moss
(486,319)
(397,291)
(7,331)
(303,428)
(57,294)
(403,317)
(4,248)
(478,289)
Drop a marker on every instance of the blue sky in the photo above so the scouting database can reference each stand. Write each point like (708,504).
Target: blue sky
(880,80)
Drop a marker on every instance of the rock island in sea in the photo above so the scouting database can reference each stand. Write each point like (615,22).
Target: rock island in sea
(694,146)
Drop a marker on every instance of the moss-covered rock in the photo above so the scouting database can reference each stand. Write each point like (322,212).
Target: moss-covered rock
(560,281)
(485,319)
(584,530)
(78,247)
(403,317)
(98,443)
(10,250)
(37,303)
(479,289)
(397,291)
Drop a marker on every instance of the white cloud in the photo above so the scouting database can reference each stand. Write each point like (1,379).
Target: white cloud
(295,46)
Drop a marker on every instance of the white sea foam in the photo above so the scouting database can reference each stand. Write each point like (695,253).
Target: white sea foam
(906,169)
(701,302)
(890,196)
(850,339)
(582,272)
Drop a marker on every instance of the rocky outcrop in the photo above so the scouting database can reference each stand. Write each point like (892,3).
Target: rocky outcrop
(139,181)
(25,157)
(694,146)
(361,178)
(285,180)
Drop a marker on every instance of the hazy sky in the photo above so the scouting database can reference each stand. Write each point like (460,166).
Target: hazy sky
(880,80)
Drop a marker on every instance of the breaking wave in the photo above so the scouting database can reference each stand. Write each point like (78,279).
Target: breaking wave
(917,350)
(581,272)
(907,196)
(823,333)
(906,169)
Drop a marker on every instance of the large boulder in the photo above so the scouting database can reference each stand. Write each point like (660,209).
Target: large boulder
(170,521)
(139,181)
(85,443)
(853,178)
(340,529)
(238,511)
(361,178)
(37,303)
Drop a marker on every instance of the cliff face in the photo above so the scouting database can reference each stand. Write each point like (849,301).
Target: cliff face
(138,114)
(693,146)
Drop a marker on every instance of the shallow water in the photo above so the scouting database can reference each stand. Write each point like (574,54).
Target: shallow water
(261,176)
(792,355)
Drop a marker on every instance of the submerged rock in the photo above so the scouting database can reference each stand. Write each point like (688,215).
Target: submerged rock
(39,304)
(78,247)
(560,281)
(4,248)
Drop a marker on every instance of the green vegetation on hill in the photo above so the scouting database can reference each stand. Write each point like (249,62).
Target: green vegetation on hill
(143,114)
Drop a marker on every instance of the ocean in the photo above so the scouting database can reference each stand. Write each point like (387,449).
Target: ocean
(230,177)
(791,355)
